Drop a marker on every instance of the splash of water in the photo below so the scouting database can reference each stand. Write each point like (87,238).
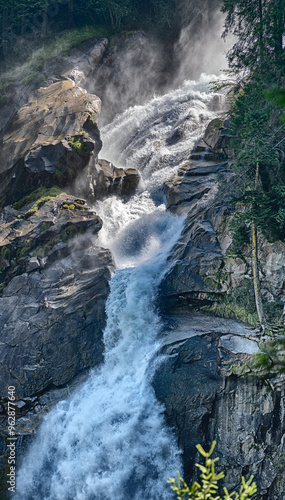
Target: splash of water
(109,439)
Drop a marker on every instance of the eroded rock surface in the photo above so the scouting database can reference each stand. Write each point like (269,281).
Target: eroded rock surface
(206,401)
(53,307)
(49,141)
(203,264)
(199,381)
(105,180)
(198,255)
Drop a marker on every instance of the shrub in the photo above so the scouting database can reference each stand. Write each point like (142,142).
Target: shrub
(77,145)
(209,483)
(37,195)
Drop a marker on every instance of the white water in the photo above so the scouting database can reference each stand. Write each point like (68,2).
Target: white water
(109,439)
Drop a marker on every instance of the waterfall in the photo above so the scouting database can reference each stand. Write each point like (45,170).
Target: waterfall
(109,439)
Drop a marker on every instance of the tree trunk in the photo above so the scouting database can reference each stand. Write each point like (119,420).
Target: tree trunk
(70,14)
(255,266)
(44,23)
(261,37)
(4,33)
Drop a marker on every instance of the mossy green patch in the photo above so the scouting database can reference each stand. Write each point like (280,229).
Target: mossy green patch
(36,195)
(45,226)
(240,305)
(77,145)
(5,253)
(231,310)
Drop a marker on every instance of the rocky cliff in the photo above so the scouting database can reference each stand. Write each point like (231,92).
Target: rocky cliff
(205,400)
(207,267)
(200,381)
(54,283)
(54,276)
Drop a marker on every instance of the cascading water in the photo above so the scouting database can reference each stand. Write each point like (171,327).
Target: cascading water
(109,439)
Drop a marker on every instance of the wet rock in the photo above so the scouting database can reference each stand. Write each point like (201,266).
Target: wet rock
(205,401)
(49,141)
(108,179)
(53,321)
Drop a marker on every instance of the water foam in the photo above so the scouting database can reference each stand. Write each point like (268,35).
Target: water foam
(109,439)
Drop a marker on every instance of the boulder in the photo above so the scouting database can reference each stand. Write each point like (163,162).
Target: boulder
(217,135)
(49,141)
(205,401)
(105,179)
(53,305)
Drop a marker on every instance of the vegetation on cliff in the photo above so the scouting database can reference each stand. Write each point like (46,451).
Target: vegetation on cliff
(30,18)
(257,122)
(208,487)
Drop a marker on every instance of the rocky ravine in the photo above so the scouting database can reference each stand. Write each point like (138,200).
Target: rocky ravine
(55,284)
(54,277)
(204,397)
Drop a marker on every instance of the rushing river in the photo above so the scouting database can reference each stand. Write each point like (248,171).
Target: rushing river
(109,440)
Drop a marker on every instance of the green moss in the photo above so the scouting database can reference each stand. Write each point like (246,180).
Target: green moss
(45,226)
(43,250)
(39,252)
(68,233)
(77,145)
(38,204)
(71,231)
(213,283)
(36,195)
(240,238)
(231,310)
(240,305)
(59,176)
(22,252)
(267,362)
(5,253)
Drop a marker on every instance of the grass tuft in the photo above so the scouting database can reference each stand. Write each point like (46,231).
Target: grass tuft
(37,196)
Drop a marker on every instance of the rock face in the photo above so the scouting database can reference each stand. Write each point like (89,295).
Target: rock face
(105,179)
(205,401)
(203,265)
(52,307)
(64,302)
(53,140)
(54,277)
(198,380)
(52,310)
(217,135)
(80,64)
(198,255)
(49,141)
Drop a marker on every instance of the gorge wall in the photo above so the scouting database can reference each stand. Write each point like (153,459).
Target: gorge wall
(55,282)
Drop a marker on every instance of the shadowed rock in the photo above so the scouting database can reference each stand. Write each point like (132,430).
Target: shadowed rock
(47,142)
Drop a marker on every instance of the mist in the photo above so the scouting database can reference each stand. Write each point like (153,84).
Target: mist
(137,67)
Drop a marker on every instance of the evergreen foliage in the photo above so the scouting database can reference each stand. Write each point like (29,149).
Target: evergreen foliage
(259,28)
(24,18)
(257,114)
(208,487)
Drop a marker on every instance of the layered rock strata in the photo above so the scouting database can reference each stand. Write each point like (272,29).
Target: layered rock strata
(205,400)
